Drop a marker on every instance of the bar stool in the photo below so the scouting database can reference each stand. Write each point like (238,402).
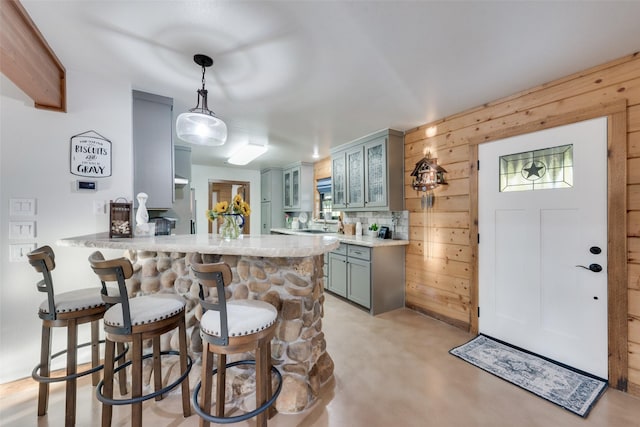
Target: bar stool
(68,310)
(132,321)
(231,327)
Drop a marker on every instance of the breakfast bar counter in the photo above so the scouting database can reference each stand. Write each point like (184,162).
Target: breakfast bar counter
(286,271)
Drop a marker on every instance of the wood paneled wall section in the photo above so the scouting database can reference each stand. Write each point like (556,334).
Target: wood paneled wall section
(440,285)
(321,169)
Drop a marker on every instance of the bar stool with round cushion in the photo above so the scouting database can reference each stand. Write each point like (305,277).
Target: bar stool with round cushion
(133,321)
(68,310)
(230,327)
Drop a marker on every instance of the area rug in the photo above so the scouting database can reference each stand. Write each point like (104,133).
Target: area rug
(572,390)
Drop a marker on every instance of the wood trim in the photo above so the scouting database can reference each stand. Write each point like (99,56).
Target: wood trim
(473,240)
(449,320)
(27,59)
(616,113)
(617,249)
(590,112)
(633,389)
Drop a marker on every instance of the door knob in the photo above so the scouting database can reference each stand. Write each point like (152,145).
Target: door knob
(596,268)
(595,250)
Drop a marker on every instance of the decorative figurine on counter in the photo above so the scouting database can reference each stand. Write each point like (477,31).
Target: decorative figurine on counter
(142,217)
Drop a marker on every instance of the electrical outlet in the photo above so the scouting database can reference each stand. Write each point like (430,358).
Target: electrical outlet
(98,207)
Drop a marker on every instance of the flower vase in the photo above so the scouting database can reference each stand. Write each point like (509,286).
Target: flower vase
(232,226)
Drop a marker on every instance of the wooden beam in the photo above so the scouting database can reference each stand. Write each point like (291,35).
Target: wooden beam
(28,61)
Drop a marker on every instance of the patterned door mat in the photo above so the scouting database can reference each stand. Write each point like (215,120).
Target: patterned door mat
(568,388)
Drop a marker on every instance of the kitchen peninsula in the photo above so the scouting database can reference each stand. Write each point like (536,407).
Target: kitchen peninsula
(286,271)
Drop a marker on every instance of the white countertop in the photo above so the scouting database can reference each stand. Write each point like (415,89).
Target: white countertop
(370,241)
(265,245)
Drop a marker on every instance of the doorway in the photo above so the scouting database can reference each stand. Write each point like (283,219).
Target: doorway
(221,190)
(543,219)
(616,113)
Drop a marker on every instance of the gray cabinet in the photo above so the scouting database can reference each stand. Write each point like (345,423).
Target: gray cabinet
(337,278)
(183,200)
(153,149)
(271,213)
(367,174)
(359,275)
(297,186)
(182,165)
(370,277)
(339,181)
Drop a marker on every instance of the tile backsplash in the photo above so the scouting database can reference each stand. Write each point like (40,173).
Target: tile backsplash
(401,219)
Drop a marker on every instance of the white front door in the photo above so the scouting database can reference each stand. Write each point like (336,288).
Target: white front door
(542,212)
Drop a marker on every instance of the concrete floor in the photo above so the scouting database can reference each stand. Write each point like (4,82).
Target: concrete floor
(390,370)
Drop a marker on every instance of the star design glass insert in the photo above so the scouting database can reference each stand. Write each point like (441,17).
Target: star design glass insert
(537,170)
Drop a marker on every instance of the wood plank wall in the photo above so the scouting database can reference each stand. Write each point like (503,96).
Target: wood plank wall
(440,286)
(321,169)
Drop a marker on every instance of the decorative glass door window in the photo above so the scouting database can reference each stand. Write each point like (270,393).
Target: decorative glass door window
(537,170)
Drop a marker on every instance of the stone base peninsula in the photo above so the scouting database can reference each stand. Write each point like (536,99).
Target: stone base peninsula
(285,271)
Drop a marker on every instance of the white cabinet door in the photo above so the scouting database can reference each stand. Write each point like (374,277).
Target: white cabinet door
(265,186)
(265,217)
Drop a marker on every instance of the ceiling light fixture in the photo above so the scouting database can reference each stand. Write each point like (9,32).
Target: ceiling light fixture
(246,154)
(200,125)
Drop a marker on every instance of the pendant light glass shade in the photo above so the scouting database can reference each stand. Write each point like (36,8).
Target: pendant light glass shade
(200,125)
(201,128)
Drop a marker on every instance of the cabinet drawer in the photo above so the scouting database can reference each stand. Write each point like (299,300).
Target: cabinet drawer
(360,252)
(342,249)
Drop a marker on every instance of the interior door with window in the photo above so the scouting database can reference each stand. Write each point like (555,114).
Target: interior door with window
(542,219)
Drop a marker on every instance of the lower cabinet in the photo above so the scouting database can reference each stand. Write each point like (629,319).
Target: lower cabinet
(370,277)
(359,282)
(337,282)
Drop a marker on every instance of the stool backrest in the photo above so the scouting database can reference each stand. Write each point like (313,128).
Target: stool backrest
(114,270)
(216,275)
(43,260)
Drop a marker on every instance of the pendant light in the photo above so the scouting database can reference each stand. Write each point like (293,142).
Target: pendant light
(200,125)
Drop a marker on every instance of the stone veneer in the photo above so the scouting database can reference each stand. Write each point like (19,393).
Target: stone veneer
(293,285)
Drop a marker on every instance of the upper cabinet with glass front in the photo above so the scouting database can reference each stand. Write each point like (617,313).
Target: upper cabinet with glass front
(367,174)
(297,183)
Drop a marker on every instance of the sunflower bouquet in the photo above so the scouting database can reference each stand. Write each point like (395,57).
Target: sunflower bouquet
(232,214)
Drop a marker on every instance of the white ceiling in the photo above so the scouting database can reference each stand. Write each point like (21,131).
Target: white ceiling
(300,75)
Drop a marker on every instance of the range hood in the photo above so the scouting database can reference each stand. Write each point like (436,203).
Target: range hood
(324,185)
(180,180)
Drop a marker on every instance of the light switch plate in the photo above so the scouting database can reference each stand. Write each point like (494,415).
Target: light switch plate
(22,229)
(22,207)
(18,252)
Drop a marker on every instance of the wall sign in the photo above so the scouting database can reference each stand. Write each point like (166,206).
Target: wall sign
(90,155)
